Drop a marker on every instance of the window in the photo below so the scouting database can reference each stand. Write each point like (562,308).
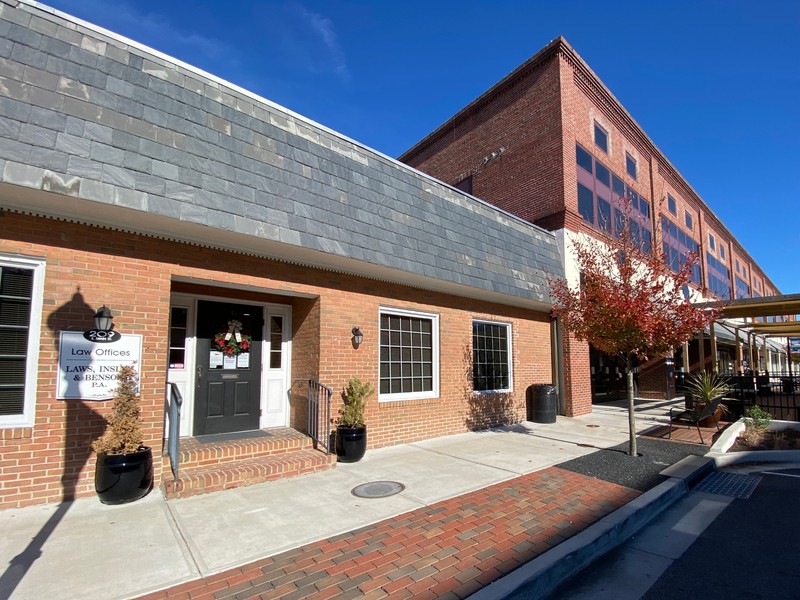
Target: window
(21,283)
(600,198)
(630,165)
(689,221)
(177,336)
(719,278)
(677,245)
(712,243)
(409,355)
(722,252)
(600,138)
(586,203)
(275,342)
(491,357)
(672,206)
(583,158)
(737,265)
(465,185)
(742,289)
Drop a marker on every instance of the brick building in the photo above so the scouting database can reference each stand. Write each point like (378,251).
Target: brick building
(185,204)
(551,143)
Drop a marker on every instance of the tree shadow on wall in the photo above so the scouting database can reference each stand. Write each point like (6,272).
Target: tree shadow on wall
(82,424)
(485,409)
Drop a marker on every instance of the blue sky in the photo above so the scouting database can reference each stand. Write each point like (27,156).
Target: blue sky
(715,84)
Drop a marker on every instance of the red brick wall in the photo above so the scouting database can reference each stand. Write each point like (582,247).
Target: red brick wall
(89,266)
(527,178)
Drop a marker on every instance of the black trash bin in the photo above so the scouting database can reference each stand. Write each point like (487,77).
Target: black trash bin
(542,403)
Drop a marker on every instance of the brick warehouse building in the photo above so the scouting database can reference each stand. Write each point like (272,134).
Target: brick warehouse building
(185,204)
(550,143)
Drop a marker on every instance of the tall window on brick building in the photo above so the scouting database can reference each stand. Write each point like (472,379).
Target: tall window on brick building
(409,355)
(600,137)
(677,245)
(600,194)
(20,315)
(719,277)
(742,289)
(491,356)
(672,206)
(630,166)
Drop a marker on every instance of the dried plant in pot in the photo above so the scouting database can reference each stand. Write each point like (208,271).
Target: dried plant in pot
(124,469)
(351,430)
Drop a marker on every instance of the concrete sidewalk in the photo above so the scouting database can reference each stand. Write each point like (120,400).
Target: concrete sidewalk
(86,549)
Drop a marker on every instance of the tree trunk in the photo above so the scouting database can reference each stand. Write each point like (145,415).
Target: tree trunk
(631,415)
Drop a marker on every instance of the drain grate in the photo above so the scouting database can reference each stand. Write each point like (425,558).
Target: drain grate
(377,489)
(729,484)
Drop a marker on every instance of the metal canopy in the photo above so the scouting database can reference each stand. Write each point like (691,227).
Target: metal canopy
(787,305)
(767,306)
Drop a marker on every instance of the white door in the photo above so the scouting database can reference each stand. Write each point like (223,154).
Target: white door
(276,369)
(180,369)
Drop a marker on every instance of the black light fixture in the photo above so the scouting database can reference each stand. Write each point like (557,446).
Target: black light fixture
(103,319)
(358,337)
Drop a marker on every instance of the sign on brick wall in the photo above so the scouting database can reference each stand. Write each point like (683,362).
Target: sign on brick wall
(88,363)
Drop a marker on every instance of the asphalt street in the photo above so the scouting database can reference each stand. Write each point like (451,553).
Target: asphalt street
(726,548)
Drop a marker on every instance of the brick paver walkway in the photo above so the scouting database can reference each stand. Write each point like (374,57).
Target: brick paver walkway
(447,550)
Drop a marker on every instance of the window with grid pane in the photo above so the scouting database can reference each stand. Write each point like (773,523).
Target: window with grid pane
(408,355)
(491,357)
(16,295)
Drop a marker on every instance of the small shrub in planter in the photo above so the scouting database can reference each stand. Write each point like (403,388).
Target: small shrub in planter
(124,469)
(351,431)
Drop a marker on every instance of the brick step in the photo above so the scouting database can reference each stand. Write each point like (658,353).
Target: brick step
(194,452)
(222,476)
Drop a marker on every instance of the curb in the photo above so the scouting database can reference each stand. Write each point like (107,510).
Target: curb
(723,458)
(544,574)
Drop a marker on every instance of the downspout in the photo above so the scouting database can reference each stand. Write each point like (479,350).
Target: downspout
(557,363)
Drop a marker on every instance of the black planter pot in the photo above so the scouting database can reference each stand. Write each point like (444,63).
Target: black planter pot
(351,443)
(121,478)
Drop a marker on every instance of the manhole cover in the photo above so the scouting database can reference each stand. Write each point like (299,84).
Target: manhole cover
(378,489)
(729,484)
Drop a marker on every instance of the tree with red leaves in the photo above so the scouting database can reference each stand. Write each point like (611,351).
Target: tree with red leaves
(629,303)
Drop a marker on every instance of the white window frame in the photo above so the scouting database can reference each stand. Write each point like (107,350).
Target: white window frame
(37,265)
(434,318)
(509,349)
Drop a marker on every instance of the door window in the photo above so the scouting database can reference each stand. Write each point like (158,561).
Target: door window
(275,342)
(177,337)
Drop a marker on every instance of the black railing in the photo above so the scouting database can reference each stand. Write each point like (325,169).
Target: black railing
(174,403)
(775,392)
(319,414)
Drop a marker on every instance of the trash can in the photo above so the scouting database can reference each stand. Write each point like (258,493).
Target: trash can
(542,403)
(788,385)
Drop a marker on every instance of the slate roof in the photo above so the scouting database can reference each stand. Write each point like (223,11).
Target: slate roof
(143,141)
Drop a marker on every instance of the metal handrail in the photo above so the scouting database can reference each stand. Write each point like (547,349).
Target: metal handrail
(174,403)
(319,409)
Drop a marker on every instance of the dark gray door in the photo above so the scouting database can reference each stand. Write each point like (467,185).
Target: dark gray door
(228,377)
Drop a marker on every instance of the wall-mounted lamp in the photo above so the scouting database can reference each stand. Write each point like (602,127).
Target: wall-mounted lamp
(358,337)
(103,319)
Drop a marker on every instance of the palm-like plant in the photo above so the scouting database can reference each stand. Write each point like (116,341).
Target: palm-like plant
(705,386)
